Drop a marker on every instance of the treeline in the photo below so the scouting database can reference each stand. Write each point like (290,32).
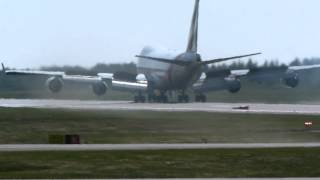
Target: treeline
(35,86)
(98,68)
(132,69)
(267,64)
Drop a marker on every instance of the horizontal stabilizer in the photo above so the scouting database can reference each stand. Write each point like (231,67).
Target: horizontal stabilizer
(227,59)
(168,61)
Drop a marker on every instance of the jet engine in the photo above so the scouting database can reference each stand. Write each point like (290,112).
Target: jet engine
(233,85)
(54,84)
(291,79)
(99,88)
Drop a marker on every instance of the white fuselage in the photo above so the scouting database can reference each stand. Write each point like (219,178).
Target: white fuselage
(164,76)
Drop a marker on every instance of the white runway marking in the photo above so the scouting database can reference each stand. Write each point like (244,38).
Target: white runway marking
(132,147)
(192,107)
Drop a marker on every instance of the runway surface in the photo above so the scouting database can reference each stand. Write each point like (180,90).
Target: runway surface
(125,105)
(132,147)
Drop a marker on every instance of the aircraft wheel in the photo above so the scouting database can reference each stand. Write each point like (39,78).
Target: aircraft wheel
(186,98)
(203,98)
(139,99)
(164,99)
(180,99)
(151,98)
(136,99)
(183,99)
(142,99)
(197,98)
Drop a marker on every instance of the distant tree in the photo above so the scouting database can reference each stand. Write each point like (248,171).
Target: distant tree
(250,64)
(296,62)
(265,64)
(274,64)
(113,68)
(310,61)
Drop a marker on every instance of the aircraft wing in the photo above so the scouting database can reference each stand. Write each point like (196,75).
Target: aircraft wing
(30,73)
(304,68)
(120,85)
(230,79)
(220,80)
(100,83)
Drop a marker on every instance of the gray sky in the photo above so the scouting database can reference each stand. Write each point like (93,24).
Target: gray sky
(84,32)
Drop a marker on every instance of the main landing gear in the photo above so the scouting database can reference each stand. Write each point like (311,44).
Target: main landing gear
(140,98)
(201,98)
(183,98)
(163,98)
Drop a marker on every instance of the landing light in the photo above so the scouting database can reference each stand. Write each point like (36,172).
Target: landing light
(308,124)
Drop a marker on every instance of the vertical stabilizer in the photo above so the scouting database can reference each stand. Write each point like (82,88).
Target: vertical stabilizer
(193,34)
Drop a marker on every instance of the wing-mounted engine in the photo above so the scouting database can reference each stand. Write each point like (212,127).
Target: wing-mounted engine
(233,84)
(291,79)
(269,75)
(99,88)
(219,81)
(54,84)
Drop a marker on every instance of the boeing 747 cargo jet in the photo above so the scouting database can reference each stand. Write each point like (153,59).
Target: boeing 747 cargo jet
(161,72)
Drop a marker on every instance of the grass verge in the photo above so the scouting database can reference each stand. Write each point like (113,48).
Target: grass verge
(162,164)
(32,126)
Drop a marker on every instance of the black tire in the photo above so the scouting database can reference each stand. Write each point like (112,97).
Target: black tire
(186,99)
(196,99)
(136,99)
(204,98)
(164,99)
(151,98)
(142,99)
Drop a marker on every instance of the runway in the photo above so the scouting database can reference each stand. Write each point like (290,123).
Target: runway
(134,147)
(191,107)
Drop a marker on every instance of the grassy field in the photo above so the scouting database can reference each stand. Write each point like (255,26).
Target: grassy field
(34,125)
(163,164)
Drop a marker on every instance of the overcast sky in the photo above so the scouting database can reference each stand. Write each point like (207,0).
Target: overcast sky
(84,32)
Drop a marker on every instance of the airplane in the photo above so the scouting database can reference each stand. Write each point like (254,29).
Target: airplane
(162,72)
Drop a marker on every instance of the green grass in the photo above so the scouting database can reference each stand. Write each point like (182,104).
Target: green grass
(162,164)
(34,126)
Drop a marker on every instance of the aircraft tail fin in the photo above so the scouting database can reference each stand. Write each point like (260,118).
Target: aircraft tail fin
(193,34)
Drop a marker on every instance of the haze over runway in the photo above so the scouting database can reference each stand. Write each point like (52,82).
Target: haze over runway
(191,107)
(82,32)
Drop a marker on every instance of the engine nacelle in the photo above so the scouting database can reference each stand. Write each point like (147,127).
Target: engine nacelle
(54,84)
(99,88)
(233,85)
(291,79)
